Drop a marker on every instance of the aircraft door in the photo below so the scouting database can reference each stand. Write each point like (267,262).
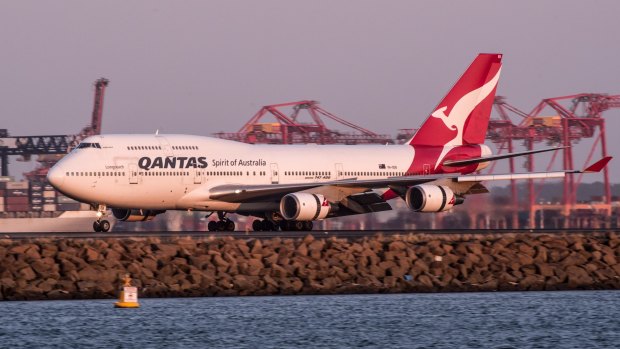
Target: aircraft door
(339,174)
(275,178)
(133,174)
(198,172)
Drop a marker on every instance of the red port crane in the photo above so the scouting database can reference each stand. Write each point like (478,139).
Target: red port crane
(572,118)
(288,129)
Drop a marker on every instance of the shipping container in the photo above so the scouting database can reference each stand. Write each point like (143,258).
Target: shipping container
(49,200)
(4,180)
(48,187)
(17,192)
(17,185)
(17,208)
(1,200)
(36,194)
(36,207)
(1,208)
(68,207)
(16,200)
(36,201)
(49,194)
(2,192)
(49,207)
(36,187)
(61,199)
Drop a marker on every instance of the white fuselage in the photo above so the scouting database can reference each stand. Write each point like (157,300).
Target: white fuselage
(167,172)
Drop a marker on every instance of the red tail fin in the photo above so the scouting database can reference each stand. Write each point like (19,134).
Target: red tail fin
(462,117)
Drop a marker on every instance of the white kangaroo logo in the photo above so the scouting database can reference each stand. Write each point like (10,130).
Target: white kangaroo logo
(461,110)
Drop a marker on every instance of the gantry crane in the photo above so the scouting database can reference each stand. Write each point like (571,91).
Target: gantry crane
(572,118)
(58,145)
(288,129)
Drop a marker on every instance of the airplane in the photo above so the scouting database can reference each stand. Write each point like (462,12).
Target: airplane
(288,187)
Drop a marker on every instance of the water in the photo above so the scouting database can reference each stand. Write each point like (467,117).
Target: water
(457,320)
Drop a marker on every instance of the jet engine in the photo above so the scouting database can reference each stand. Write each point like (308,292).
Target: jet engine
(135,215)
(431,198)
(304,207)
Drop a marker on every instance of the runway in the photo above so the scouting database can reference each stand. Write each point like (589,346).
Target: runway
(343,234)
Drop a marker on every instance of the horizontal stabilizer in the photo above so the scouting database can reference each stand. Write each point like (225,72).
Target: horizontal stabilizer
(472,161)
(598,166)
(501,177)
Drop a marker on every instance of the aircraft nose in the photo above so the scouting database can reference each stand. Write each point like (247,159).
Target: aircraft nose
(56,177)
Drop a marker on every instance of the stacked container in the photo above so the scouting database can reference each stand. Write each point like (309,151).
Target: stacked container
(34,197)
(3,181)
(17,196)
(48,195)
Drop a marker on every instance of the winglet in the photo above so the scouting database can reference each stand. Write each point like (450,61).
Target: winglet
(599,165)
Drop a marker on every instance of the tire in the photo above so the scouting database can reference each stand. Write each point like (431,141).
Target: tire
(284,225)
(221,225)
(308,225)
(268,226)
(257,225)
(212,225)
(96,226)
(104,226)
(298,225)
(230,225)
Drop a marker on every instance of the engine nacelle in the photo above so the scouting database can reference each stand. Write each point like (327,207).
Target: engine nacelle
(135,215)
(304,207)
(431,198)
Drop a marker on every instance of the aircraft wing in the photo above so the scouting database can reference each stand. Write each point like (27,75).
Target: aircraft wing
(248,193)
(268,192)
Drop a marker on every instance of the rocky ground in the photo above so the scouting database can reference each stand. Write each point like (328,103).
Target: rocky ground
(182,267)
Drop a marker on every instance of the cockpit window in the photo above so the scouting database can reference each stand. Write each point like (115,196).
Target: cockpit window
(88,145)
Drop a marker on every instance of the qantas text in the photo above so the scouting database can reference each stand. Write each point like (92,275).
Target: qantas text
(147,163)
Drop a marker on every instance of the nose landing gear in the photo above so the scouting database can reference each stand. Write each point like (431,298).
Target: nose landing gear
(101,225)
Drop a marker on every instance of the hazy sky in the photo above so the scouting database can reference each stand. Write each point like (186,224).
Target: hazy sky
(205,66)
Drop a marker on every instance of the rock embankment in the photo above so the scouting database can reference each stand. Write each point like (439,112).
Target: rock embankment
(90,268)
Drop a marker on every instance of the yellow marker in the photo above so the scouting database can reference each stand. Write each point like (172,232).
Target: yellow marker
(128,296)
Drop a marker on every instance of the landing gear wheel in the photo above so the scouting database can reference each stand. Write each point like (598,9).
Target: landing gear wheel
(284,226)
(308,225)
(257,225)
(267,225)
(104,225)
(97,226)
(298,225)
(221,225)
(212,225)
(229,225)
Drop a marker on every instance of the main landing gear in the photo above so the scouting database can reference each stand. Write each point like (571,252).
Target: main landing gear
(101,225)
(223,224)
(267,225)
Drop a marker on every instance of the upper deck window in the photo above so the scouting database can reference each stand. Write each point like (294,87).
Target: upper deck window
(88,145)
